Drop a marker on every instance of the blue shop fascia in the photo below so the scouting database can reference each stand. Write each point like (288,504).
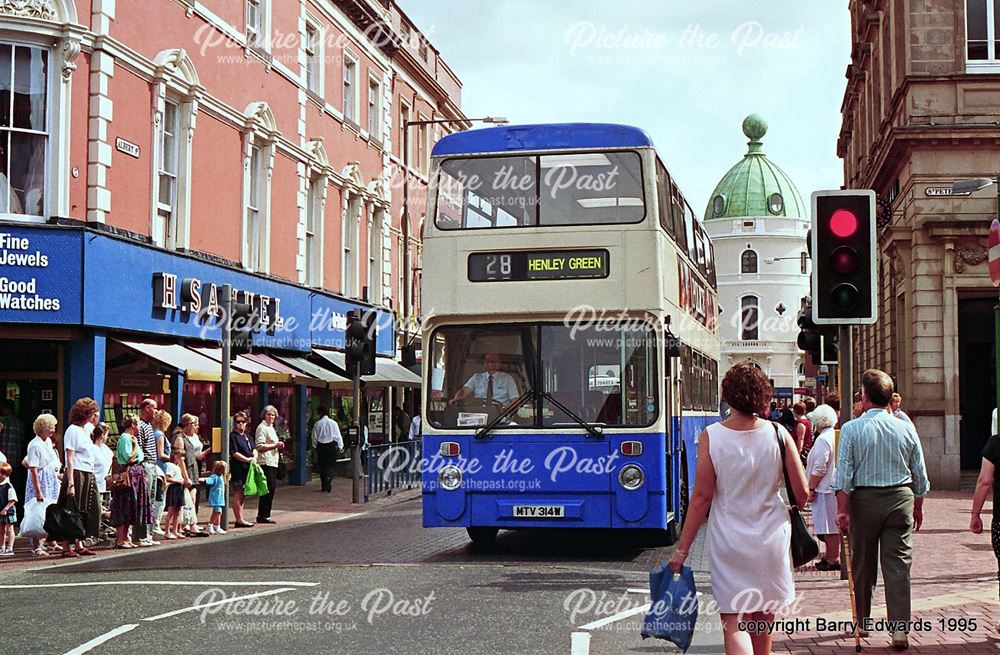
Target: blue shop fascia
(91,311)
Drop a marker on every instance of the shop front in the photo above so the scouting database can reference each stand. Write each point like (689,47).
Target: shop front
(138,322)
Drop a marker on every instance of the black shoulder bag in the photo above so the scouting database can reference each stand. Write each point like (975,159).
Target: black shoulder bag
(805,548)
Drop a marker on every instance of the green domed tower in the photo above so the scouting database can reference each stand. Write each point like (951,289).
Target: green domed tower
(755,186)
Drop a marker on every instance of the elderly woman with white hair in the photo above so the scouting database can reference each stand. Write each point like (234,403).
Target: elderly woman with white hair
(820,469)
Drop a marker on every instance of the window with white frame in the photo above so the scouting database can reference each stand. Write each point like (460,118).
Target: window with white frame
(803,263)
(24,131)
(350,87)
(374,109)
(404,117)
(349,238)
(255,22)
(255,219)
(749,318)
(165,226)
(982,23)
(421,138)
(314,231)
(748,262)
(313,47)
(375,258)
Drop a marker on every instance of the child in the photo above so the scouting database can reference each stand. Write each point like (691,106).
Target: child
(8,514)
(174,499)
(216,498)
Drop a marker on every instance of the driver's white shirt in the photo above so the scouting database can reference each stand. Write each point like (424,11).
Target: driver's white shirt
(504,387)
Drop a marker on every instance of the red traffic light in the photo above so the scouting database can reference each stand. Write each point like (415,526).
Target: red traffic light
(843,223)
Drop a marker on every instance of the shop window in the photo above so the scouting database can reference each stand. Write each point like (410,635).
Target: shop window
(24,131)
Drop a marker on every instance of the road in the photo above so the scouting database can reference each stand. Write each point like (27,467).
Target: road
(375,583)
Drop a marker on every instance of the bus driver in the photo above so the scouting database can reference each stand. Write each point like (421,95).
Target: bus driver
(492,385)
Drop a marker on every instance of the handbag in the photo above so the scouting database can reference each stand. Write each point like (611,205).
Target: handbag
(65,523)
(674,609)
(805,548)
(120,480)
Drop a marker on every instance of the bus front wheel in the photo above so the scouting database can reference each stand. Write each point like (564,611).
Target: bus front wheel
(482,536)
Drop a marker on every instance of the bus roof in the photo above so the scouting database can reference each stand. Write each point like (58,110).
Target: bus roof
(562,136)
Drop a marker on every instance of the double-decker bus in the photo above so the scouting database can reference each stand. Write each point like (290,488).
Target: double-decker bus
(570,346)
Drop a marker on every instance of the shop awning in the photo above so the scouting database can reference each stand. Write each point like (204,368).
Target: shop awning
(243,363)
(388,373)
(332,380)
(298,376)
(194,365)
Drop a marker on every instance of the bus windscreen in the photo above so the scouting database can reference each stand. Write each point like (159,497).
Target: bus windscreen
(598,188)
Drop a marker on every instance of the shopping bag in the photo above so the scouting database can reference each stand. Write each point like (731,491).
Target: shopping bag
(256,484)
(33,524)
(674,609)
(64,523)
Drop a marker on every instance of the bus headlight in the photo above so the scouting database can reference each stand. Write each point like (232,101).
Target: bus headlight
(450,478)
(631,477)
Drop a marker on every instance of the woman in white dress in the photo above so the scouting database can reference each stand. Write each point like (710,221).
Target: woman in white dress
(43,474)
(739,475)
(820,470)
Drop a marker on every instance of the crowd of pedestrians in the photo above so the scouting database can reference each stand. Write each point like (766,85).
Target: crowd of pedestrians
(144,488)
(869,486)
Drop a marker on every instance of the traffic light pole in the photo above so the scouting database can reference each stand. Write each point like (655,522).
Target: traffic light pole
(846,347)
(356,490)
(227,345)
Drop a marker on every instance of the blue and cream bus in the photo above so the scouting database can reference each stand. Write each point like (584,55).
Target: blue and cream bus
(570,346)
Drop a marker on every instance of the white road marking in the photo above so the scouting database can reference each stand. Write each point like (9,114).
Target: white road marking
(593,625)
(580,643)
(217,602)
(638,591)
(178,583)
(97,641)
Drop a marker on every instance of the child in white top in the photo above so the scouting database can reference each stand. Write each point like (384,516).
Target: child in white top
(174,500)
(8,514)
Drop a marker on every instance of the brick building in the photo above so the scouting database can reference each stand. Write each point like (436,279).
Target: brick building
(152,151)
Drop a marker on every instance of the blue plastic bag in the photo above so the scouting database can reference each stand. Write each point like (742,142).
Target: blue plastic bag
(674,609)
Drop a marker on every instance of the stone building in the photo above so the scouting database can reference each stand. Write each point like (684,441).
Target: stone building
(920,111)
(757,222)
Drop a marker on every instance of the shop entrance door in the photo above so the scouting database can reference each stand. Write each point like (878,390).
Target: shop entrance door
(976,376)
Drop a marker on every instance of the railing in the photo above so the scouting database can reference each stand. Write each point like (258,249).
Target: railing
(749,345)
(392,466)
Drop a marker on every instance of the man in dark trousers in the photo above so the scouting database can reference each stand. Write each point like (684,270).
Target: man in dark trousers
(327,442)
(881,480)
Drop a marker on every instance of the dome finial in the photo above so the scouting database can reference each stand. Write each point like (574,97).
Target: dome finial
(754,127)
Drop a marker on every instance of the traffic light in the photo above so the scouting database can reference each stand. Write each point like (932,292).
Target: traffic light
(242,324)
(359,346)
(844,255)
(818,340)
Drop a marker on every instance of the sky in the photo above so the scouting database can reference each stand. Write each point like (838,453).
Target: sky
(686,71)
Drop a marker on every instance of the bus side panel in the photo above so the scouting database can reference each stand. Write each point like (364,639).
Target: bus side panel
(691,427)
(674,483)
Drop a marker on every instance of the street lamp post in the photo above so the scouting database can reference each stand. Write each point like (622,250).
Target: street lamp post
(407,124)
(970,186)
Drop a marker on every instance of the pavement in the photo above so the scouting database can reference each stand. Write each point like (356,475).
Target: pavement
(953,591)
(293,506)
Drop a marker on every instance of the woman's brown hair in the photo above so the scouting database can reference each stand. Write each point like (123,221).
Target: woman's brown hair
(82,410)
(746,389)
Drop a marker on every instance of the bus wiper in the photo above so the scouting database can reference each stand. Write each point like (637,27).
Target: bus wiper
(505,414)
(592,429)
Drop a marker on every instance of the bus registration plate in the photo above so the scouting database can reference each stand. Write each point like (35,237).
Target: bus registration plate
(539,511)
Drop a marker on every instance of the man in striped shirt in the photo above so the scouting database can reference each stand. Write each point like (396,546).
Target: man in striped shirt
(881,480)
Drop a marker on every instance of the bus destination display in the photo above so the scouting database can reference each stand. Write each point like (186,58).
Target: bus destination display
(519,266)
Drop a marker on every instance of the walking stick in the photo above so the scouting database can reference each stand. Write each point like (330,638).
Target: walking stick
(850,586)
